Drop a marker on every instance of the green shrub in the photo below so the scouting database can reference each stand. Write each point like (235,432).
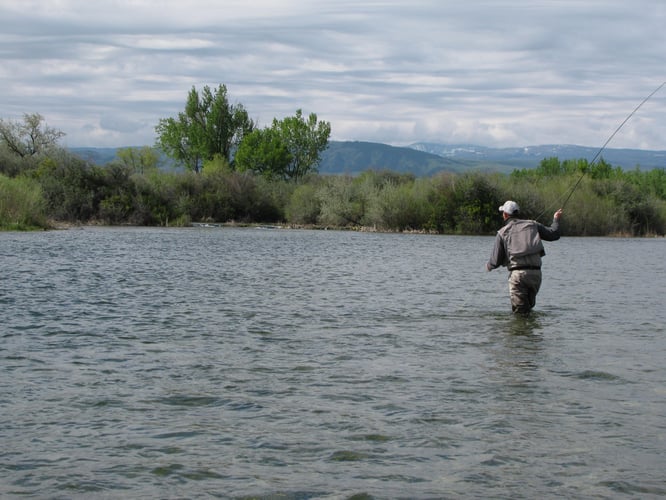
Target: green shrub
(343,200)
(476,201)
(399,207)
(21,204)
(72,188)
(304,207)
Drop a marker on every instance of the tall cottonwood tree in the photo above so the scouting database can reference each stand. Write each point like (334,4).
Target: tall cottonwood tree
(264,152)
(290,149)
(305,140)
(210,126)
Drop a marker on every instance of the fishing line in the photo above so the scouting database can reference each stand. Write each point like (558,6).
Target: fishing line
(606,144)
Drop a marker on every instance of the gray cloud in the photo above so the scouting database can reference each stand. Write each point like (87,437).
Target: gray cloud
(502,73)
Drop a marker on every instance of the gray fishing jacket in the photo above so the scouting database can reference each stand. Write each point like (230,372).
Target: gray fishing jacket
(518,244)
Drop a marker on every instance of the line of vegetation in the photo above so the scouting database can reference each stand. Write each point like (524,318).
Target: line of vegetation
(272,179)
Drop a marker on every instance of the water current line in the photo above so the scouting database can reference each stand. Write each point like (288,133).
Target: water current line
(601,149)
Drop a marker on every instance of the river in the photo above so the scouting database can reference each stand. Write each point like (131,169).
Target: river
(294,364)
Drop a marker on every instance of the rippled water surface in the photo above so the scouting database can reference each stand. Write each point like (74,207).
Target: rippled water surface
(270,363)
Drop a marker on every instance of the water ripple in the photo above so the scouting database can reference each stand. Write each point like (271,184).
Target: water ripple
(236,363)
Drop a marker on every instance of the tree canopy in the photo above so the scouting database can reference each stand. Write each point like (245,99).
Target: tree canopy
(305,140)
(290,149)
(263,151)
(210,126)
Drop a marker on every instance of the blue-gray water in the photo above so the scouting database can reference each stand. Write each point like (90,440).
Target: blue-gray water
(270,363)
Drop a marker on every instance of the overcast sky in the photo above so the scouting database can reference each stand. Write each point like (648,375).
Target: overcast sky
(495,72)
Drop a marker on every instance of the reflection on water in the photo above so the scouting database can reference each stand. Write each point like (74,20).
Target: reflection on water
(250,363)
(528,326)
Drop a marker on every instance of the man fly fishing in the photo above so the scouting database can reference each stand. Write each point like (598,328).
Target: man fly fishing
(518,244)
(519,247)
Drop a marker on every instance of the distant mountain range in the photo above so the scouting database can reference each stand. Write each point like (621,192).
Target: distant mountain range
(531,156)
(356,157)
(425,159)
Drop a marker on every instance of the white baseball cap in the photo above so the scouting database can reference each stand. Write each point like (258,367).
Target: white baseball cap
(509,207)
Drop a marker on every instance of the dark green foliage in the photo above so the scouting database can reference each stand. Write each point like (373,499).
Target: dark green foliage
(305,139)
(72,188)
(208,127)
(290,149)
(442,203)
(475,204)
(63,187)
(263,151)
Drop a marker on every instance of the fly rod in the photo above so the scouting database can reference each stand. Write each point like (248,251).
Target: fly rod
(608,141)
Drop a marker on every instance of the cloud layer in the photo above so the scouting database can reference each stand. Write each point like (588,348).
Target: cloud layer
(494,72)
